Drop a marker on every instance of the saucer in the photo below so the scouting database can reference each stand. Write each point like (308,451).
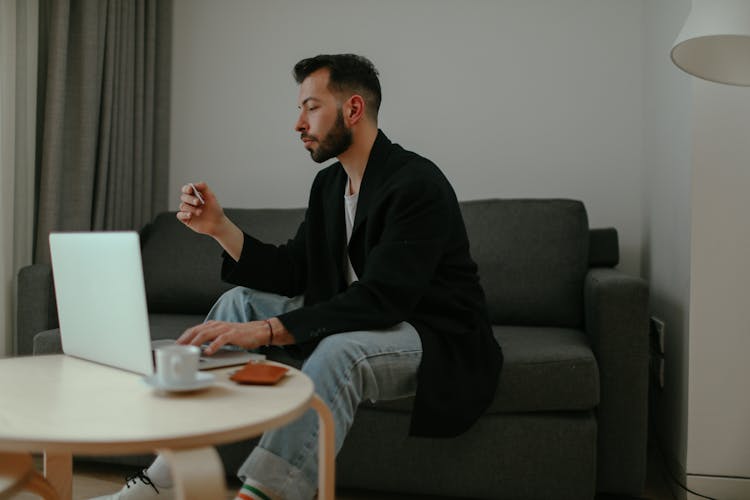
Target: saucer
(201,381)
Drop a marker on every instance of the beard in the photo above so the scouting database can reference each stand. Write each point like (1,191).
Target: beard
(335,142)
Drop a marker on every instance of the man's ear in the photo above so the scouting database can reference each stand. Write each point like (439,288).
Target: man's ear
(354,110)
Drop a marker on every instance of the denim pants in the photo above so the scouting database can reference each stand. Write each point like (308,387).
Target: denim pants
(346,368)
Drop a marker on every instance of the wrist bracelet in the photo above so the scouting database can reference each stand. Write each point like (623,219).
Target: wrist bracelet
(270,332)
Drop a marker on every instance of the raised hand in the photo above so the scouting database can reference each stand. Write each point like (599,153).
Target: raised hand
(202,216)
(206,216)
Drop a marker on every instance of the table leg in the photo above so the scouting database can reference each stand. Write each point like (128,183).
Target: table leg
(58,470)
(326,450)
(197,473)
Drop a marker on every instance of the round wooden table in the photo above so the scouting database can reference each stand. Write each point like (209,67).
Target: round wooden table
(62,406)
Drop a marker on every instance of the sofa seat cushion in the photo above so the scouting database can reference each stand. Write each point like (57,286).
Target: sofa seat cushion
(47,342)
(546,369)
(162,326)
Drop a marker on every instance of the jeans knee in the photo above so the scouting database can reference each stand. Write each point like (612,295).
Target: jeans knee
(336,360)
(236,295)
(336,351)
(232,305)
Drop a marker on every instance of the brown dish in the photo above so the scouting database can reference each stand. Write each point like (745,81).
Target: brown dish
(259,373)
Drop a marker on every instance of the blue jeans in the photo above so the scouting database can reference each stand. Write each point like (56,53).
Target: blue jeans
(346,368)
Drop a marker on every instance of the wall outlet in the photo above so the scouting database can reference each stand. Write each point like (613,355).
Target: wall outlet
(656,333)
(656,367)
(657,327)
(661,373)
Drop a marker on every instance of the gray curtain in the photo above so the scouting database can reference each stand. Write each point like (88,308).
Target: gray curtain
(103,115)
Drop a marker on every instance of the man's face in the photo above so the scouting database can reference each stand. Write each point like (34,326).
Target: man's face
(321,120)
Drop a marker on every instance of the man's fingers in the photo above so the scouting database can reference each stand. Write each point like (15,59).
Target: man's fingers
(218,333)
(218,343)
(193,333)
(188,335)
(186,207)
(208,332)
(191,200)
(200,186)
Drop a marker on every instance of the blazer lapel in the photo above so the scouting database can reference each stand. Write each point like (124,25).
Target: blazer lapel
(334,221)
(376,172)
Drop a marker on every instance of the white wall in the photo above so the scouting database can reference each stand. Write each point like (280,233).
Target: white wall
(667,217)
(514,98)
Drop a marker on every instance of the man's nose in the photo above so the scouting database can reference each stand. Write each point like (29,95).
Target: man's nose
(301,125)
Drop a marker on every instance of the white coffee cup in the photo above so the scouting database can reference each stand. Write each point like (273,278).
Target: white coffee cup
(177,365)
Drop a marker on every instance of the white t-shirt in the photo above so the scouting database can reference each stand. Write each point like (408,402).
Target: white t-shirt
(350,210)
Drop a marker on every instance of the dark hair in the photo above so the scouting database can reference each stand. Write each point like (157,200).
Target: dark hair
(348,73)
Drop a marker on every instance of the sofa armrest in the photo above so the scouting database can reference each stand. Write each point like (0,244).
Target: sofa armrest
(37,309)
(616,312)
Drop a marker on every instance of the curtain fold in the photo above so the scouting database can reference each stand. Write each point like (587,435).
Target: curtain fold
(103,115)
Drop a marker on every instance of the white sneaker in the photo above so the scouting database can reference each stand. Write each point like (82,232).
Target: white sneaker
(140,487)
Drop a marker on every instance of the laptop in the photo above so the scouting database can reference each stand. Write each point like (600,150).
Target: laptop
(101,303)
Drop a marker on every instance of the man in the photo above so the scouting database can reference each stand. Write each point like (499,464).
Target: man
(377,286)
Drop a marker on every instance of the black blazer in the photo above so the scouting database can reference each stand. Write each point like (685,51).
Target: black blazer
(410,251)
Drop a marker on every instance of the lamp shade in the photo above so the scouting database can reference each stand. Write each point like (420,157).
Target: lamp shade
(714,44)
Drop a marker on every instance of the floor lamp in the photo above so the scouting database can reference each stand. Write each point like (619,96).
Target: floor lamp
(714,45)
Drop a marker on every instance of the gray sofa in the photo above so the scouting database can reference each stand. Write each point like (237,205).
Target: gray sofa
(569,420)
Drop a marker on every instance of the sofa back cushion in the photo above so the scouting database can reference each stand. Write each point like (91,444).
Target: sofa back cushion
(532,257)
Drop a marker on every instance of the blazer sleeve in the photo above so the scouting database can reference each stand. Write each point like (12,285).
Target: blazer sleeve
(398,269)
(278,269)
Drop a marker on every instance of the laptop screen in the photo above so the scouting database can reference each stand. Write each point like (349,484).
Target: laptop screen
(101,298)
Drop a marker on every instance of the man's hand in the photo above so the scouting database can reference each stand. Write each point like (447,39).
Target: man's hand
(250,335)
(204,218)
(209,218)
